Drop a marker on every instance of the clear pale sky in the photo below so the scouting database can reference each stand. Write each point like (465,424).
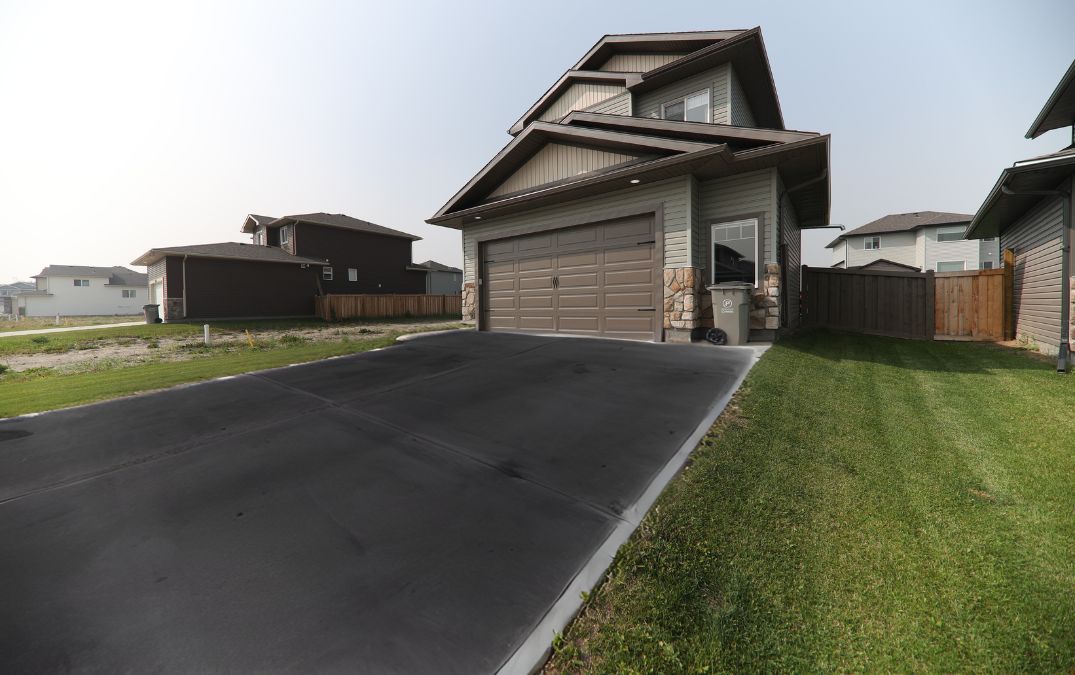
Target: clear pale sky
(125,126)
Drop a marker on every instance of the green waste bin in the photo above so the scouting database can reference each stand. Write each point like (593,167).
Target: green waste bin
(731,313)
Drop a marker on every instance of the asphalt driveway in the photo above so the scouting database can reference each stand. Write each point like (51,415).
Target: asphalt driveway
(416,509)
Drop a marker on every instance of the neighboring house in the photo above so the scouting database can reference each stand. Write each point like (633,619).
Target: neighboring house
(289,262)
(920,241)
(13,289)
(442,279)
(657,164)
(77,290)
(1030,208)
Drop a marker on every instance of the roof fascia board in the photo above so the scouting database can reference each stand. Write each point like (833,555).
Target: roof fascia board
(1067,82)
(722,131)
(163,253)
(625,172)
(566,80)
(641,40)
(996,193)
(576,134)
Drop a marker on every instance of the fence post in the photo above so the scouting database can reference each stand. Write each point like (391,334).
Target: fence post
(931,306)
(1009,294)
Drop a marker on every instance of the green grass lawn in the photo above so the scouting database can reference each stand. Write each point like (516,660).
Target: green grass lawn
(866,504)
(36,322)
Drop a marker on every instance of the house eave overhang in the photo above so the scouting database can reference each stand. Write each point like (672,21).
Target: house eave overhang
(291,220)
(561,85)
(688,41)
(1000,210)
(696,131)
(746,52)
(153,256)
(798,162)
(1059,109)
(536,135)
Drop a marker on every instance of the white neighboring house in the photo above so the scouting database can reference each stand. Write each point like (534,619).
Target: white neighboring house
(76,290)
(922,241)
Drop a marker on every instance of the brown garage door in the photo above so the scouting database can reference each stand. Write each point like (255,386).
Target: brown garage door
(593,280)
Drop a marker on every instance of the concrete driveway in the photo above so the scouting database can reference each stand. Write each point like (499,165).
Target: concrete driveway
(431,507)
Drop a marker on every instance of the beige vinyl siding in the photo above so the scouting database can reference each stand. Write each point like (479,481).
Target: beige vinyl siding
(898,247)
(741,115)
(617,105)
(638,63)
(714,79)
(578,96)
(791,238)
(1037,294)
(949,251)
(556,162)
(673,194)
(733,197)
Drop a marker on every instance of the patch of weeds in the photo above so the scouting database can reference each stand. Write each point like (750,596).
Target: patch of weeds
(289,340)
(86,345)
(29,374)
(4,368)
(366,331)
(40,339)
(153,344)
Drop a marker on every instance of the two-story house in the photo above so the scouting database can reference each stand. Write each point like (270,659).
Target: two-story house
(919,241)
(289,261)
(79,290)
(1029,209)
(8,303)
(656,165)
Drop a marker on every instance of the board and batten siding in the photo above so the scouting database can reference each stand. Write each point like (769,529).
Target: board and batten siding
(791,238)
(948,251)
(557,161)
(741,114)
(617,105)
(714,79)
(1037,293)
(733,197)
(673,194)
(898,247)
(580,95)
(638,63)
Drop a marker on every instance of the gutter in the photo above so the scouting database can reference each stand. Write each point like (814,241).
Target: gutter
(1065,266)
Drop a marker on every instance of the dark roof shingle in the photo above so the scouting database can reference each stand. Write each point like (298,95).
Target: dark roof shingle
(117,276)
(904,222)
(229,250)
(348,223)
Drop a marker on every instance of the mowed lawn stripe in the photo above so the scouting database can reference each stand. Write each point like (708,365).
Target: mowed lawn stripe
(868,503)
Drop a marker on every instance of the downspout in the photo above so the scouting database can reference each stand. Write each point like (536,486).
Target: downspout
(184,288)
(1065,266)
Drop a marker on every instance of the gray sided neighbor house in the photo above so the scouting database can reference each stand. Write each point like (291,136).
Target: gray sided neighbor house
(920,241)
(1029,209)
(657,164)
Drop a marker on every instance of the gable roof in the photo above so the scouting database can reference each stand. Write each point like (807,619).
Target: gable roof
(344,222)
(117,276)
(904,222)
(1004,204)
(253,220)
(1059,110)
(438,267)
(537,135)
(886,264)
(744,49)
(228,250)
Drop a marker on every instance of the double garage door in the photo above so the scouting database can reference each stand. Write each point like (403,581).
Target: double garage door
(600,279)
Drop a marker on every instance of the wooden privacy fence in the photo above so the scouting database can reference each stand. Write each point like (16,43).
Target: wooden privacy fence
(869,301)
(974,305)
(334,307)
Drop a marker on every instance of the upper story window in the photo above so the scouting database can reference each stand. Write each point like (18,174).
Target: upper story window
(130,293)
(871,244)
(285,235)
(259,238)
(326,273)
(691,108)
(82,282)
(352,274)
(734,252)
(950,233)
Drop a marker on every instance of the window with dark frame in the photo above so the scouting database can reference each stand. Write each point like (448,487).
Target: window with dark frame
(129,293)
(82,283)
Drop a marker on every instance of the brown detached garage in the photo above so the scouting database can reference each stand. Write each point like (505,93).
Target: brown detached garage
(656,165)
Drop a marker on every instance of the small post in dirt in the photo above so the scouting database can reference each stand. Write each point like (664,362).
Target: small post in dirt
(1009,292)
(205,330)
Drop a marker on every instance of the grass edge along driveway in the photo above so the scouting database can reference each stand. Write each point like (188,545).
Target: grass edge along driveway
(64,391)
(863,504)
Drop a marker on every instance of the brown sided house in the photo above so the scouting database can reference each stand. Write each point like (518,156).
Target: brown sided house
(657,164)
(289,262)
(1030,209)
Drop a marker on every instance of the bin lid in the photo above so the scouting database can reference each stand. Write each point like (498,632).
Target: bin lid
(730,286)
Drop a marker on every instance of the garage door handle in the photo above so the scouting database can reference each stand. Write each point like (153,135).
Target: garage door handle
(648,309)
(556,282)
(651,241)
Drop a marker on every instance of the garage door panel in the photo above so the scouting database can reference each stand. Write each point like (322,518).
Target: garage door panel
(630,276)
(634,254)
(631,229)
(590,280)
(495,248)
